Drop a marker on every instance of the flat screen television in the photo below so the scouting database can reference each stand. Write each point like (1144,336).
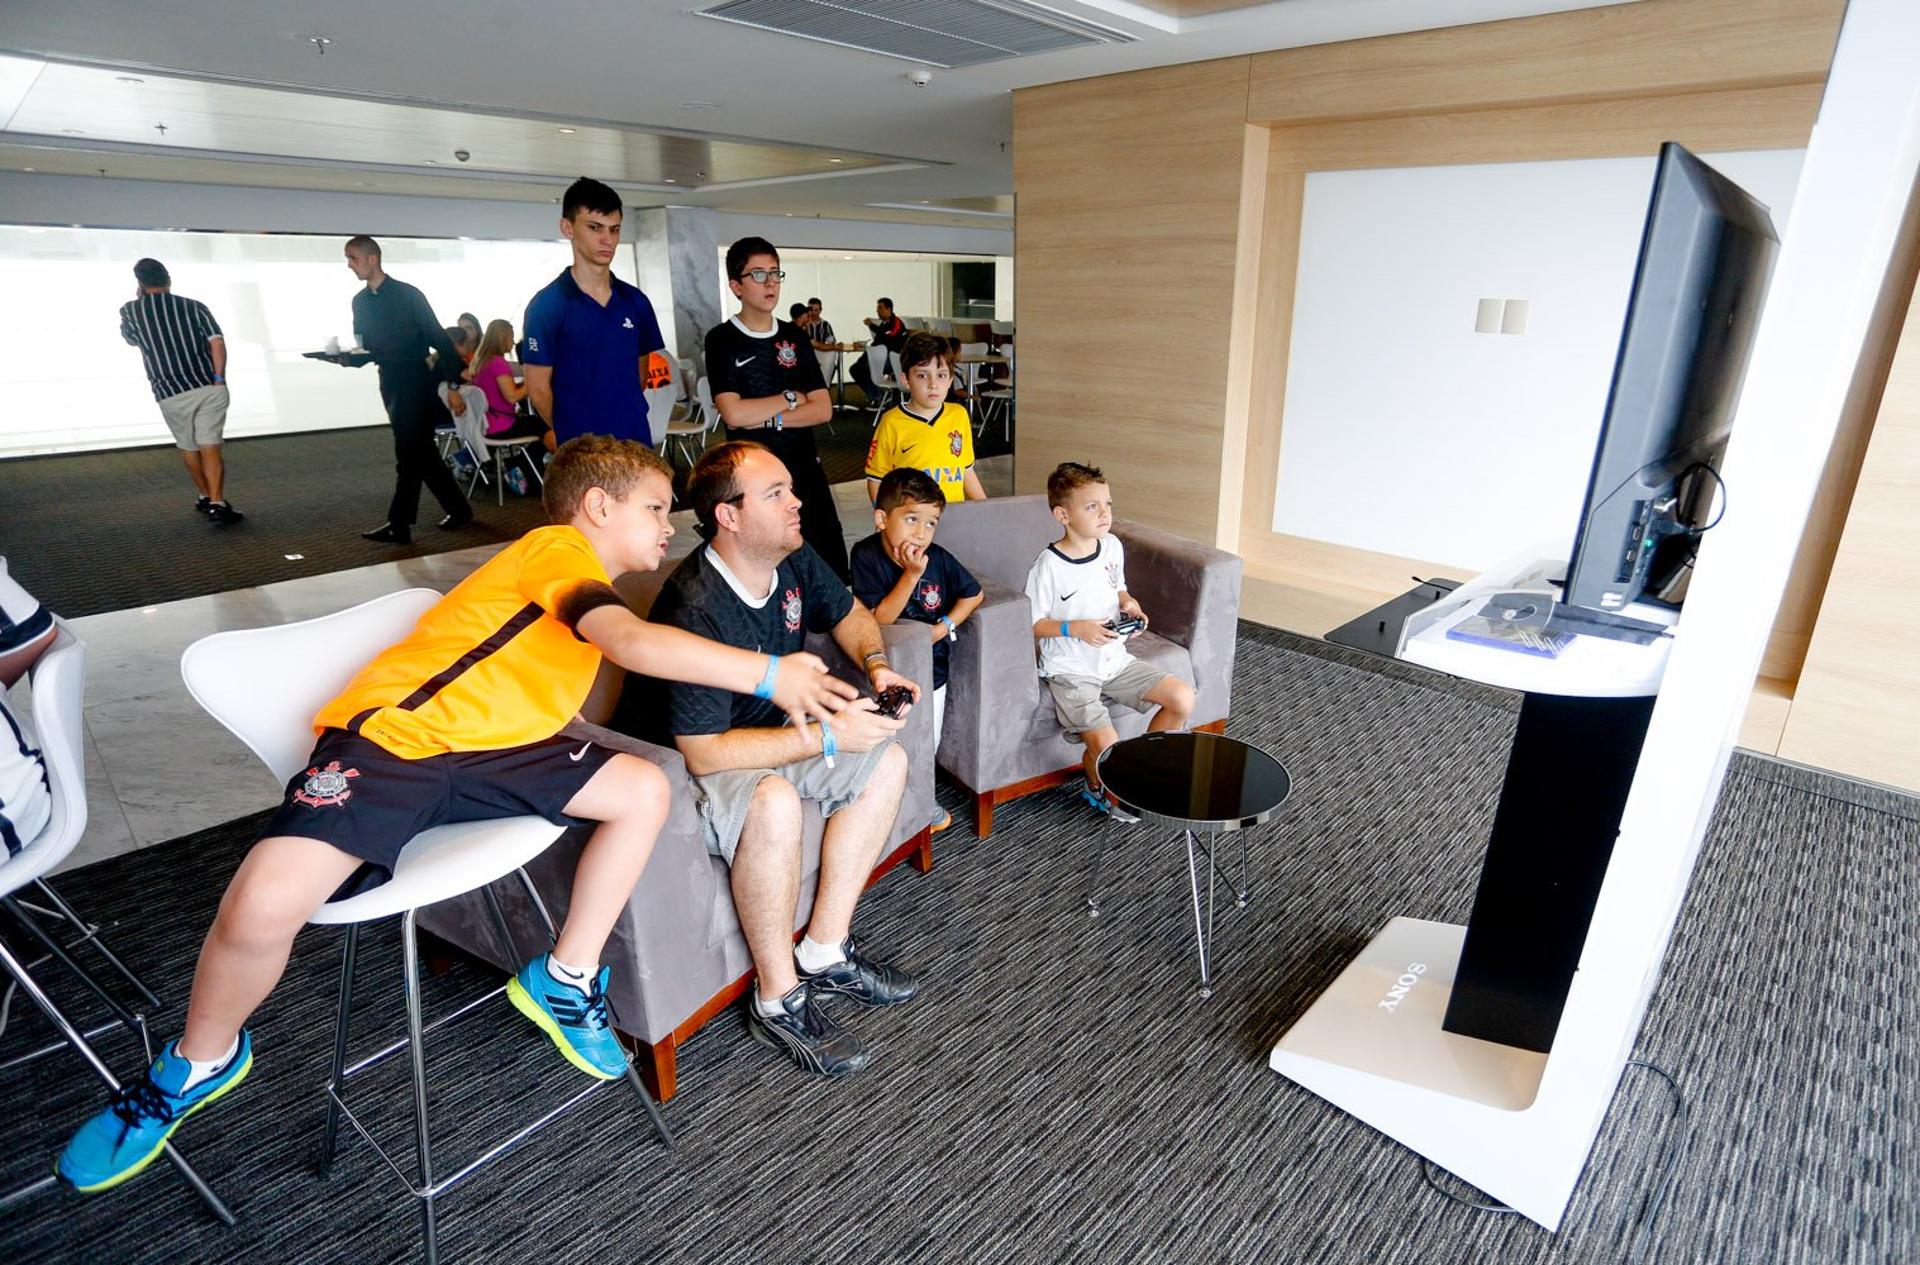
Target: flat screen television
(1705,257)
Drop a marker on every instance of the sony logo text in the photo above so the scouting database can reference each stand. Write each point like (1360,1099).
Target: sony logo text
(1403,986)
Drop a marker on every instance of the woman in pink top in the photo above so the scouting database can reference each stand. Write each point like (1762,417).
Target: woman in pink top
(490,371)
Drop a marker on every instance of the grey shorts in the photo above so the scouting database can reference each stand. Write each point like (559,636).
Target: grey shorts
(197,418)
(1080,701)
(722,799)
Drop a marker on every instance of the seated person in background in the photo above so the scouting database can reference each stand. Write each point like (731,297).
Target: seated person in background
(926,431)
(412,744)
(470,323)
(756,583)
(901,574)
(889,331)
(493,374)
(1077,585)
(26,798)
(459,338)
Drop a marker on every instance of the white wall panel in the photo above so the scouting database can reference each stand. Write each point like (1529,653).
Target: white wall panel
(1406,432)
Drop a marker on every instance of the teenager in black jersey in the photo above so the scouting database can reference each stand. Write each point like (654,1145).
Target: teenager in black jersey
(767,385)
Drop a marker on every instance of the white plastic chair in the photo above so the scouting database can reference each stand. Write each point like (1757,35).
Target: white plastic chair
(1001,329)
(830,374)
(1000,397)
(58,679)
(884,368)
(672,423)
(471,427)
(265,685)
(970,379)
(940,325)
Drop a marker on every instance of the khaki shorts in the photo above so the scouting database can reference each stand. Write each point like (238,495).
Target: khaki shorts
(197,418)
(723,798)
(1080,700)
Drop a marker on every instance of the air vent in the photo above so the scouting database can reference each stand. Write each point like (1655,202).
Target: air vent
(944,33)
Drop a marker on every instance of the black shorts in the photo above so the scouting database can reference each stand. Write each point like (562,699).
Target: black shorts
(369,803)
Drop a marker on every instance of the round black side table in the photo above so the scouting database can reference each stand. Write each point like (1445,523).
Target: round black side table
(1202,785)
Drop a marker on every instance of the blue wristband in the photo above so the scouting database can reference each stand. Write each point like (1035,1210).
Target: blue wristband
(1063,629)
(828,747)
(952,632)
(765,688)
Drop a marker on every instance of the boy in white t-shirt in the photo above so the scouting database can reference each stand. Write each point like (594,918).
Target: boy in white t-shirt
(1078,586)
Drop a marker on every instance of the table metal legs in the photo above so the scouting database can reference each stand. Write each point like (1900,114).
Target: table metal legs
(1202,920)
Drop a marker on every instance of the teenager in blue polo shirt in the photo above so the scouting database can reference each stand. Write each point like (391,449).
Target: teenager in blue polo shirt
(588,333)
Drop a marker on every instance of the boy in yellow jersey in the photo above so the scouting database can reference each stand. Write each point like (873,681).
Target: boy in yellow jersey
(926,432)
(461,722)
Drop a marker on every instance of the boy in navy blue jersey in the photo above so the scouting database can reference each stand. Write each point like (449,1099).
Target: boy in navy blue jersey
(901,574)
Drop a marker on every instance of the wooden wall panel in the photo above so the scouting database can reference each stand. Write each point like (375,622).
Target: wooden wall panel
(1126,228)
(1652,48)
(1856,709)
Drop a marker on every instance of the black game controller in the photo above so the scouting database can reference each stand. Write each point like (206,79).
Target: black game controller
(1125,627)
(890,700)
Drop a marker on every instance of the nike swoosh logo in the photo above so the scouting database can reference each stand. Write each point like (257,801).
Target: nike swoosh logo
(741,364)
(1068,597)
(575,756)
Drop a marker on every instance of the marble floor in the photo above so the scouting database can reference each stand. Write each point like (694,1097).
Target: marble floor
(158,767)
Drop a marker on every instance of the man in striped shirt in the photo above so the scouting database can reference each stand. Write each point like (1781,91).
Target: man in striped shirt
(186,359)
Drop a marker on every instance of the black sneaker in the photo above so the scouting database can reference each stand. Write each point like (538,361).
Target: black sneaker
(857,976)
(388,534)
(203,505)
(223,513)
(804,1031)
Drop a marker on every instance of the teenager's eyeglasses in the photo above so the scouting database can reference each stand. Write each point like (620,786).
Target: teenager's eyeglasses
(763,275)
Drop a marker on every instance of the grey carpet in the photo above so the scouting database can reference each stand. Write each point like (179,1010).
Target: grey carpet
(1058,1093)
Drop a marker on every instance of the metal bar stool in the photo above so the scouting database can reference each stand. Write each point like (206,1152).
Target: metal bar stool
(58,681)
(265,684)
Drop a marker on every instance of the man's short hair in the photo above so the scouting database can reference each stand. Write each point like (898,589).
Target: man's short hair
(588,194)
(597,461)
(922,347)
(715,481)
(885,303)
(796,311)
(365,245)
(815,303)
(745,249)
(1067,478)
(908,486)
(152,274)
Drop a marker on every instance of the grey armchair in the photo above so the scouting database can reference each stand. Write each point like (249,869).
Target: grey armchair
(1002,739)
(677,954)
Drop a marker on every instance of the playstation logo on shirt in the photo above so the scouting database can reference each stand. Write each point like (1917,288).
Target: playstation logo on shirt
(627,323)
(533,344)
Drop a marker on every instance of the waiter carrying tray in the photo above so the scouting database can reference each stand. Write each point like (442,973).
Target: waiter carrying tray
(396,325)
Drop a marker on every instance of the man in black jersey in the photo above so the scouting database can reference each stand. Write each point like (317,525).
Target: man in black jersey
(767,385)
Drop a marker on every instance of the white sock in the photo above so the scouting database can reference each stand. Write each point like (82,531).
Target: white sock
(572,975)
(815,957)
(198,1071)
(766,1008)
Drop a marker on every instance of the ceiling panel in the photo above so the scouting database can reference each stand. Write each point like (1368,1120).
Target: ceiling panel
(86,103)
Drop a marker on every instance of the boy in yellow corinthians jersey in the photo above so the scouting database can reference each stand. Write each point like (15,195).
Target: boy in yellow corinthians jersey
(925,432)
(461,722)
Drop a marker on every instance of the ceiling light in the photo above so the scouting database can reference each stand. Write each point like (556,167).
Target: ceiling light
(319,43)
(671,180)
(566,131)
(26,169)
(433,162)
(699,105)
(846,256)
(129,79)
(73,131)
(836,160)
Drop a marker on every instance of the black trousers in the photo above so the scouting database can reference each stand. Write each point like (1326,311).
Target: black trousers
(414,410)
(819,521)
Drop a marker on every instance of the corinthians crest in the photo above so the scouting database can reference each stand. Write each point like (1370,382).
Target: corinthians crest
(790,608)
(326,786)
(784,353)
(954,442)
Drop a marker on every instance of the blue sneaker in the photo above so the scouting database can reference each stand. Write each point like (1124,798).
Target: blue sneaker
(122,1140)
(1106,807)
(577,1021)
